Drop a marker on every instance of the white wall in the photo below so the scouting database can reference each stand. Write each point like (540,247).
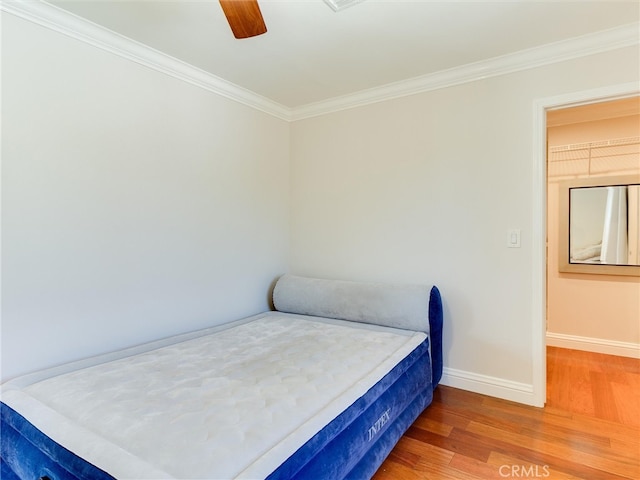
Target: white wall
(423,189)
(134,205)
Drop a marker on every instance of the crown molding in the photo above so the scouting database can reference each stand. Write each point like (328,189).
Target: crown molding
(603,41)
(59,20)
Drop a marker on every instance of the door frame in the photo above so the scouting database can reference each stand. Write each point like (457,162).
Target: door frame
(539,226)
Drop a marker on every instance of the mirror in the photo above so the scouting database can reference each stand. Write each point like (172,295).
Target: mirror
(599,225)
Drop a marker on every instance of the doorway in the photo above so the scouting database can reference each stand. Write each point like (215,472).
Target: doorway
(539,216)
(590,278)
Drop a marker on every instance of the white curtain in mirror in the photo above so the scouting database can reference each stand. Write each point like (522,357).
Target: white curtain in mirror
(633,216)
(614,238)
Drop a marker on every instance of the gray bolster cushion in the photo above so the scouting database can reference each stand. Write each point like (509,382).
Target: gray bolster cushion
(391,305)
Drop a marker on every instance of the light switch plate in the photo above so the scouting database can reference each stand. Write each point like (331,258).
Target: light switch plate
(513,238)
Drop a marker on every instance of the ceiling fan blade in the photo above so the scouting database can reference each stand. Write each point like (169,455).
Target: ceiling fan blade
(244,17)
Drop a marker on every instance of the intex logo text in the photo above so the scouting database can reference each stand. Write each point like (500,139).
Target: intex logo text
(524,471)
(375,428)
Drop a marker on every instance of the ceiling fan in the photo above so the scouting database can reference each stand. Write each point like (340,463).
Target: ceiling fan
(245,17)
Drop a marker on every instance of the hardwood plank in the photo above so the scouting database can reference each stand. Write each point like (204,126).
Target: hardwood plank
(445,415)
(579,392)
(584,441)
(476,468)
(604,402)
(453,443)
(431,452)
(390,470)
(403,457)
(630,449)
(437,425)
(627,399)
(585,424)
(448,472)
(494,416)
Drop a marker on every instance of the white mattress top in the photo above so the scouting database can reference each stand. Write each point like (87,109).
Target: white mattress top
(233,404)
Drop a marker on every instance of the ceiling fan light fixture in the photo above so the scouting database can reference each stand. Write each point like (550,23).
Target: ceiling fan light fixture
(337,5)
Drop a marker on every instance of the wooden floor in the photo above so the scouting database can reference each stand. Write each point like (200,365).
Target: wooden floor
(589,428)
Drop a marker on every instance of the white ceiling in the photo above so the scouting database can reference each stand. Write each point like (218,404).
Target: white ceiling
(311,53)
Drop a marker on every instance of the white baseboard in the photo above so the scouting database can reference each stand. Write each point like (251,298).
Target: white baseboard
(522,392)
(492,386)
(597,345)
